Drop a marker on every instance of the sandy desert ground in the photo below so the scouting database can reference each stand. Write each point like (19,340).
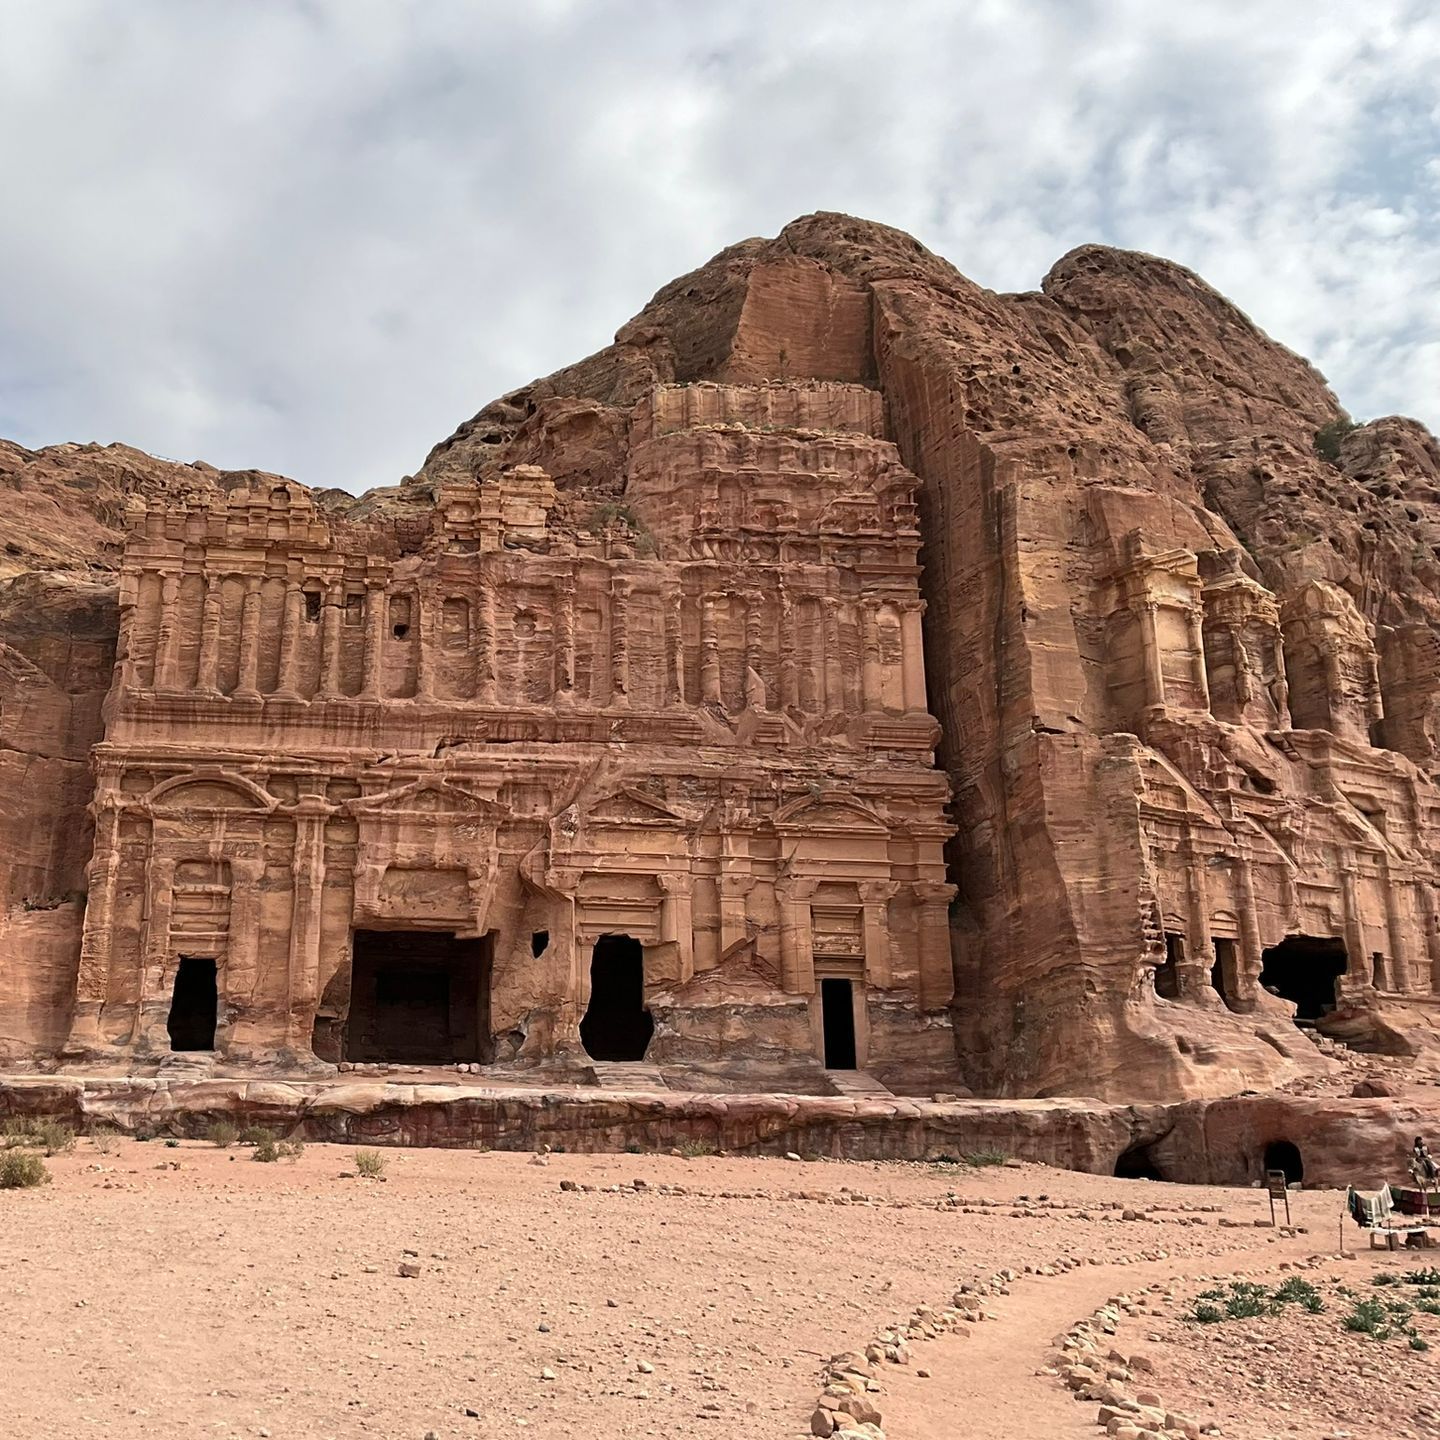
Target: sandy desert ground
(183,1290)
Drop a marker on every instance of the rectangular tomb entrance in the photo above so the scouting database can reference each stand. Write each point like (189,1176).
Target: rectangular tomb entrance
(194,1005)
(419,998)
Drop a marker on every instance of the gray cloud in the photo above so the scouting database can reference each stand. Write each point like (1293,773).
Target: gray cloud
(312,235)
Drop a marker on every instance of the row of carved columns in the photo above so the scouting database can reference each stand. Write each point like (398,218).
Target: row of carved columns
(827,678)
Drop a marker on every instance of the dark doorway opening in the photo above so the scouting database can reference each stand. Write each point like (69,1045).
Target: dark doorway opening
(1138,1163)
(1283,1155)
(419,998)
(194,1004)
(1167,976)
(1304,970)
(837,1011)
(617,1026)
(539,943)
(1224,973)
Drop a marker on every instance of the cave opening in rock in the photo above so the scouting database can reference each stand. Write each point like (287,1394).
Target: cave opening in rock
(1304,969)
(1285,1155)
(1138,1163)
(837,1012)
(419,997)
(194,1005)
(617,1026)
(539,943)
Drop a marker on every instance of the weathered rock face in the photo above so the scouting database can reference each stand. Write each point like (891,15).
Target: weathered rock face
(638,653)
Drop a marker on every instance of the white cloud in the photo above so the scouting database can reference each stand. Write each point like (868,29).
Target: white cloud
(312,235)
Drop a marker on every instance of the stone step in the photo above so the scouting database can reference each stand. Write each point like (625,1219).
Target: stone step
(855,1082)
(626,1075)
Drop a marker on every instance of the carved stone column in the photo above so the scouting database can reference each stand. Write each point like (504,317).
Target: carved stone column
(240,972)
(675,647)
(1432,933)
(167,637)
(1150,653)
(565,640)
(374,643)
(426,643)
(332,616)
(1194,624)
(872,683)
(486,660)
(92,983)
(709,653)
(1401,969)
(835,687)
(912,636)
(733,887)
(1193,976)
(1249,961)
(620,641)
(937,974)
(207,670)
(247,687)
(1358,972)
(797,954)
(875,897)
(677,920)
(754,615)
(292,619)
(307,894)
(789,646)
(147,1025)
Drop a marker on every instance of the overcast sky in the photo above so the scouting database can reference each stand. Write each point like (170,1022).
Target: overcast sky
(313,235)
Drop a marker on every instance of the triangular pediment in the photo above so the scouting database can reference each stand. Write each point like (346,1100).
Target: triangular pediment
(628,806)
(424,797)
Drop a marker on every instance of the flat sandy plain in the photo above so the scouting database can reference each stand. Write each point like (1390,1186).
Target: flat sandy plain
(160,1291)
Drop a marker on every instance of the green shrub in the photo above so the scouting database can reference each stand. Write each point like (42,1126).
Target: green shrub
(1429,1276)
(1369,1318)
(172,1144)
(22,1169)
(693,1149)
(370,1164)
(48,1135)
(222,1134)
(256,1135)
(1329,437)
(981,1158)
(1205,1313)
(266,1150)
(1416,1343)
(1246,1301)
(1296,1291)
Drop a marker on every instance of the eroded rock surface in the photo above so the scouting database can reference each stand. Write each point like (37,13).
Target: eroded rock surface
(639,652)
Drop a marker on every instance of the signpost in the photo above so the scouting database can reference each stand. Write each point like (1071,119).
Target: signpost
(1279,1189)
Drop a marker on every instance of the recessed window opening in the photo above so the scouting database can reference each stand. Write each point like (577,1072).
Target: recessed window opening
(312,605)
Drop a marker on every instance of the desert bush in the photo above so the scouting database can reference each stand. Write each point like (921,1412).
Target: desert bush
(1328,438)
(694,1149)
(370,1164)
(267,1151)
(103,1139)
(223,1134)
(21,1170)
(256,1135)
(48,1135)
(981,1158)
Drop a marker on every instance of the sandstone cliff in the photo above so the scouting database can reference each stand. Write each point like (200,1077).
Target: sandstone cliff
(1185,662)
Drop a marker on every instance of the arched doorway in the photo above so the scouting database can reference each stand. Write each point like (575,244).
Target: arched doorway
(1138,1163)
(1285,1155)
(1304,969)
(617,1026)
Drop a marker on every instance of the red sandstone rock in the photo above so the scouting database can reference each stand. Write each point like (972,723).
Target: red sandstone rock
(1184,665)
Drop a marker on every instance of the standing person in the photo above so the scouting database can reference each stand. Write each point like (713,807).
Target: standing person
(1422,1165)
